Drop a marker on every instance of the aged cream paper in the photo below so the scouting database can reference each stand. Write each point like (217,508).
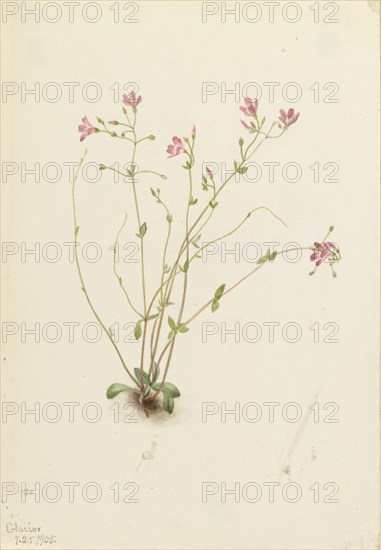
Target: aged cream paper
(273,443)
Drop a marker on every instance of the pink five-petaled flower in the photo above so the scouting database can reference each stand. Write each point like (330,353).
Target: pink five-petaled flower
(176,147)
(86,128)
(287,118)
(131,100)
(251,106)
(321,252)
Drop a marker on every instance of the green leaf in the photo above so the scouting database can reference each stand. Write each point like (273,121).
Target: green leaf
(170,389)
(273,256)
(138,330)
(155,373)
(169,218)
(262,259)
(143,230)
(169,403)
(182,328)
(186,266)
(142,376)
(152,317)
(219,292)
(76,230)
(116,389)
(171,334)
(215,305)
(172,323)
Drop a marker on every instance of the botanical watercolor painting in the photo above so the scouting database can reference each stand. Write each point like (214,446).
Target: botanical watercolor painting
(159,312)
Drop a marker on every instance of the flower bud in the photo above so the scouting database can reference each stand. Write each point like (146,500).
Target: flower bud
(102,167)
(113,122)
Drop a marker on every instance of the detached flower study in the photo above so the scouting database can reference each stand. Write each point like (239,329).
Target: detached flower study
(160,322)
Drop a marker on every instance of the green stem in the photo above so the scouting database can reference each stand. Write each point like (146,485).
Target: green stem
(83,286)
(115,270)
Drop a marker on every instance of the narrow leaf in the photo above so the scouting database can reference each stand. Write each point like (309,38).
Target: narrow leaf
(215,305)
(143,229)
(142,376)
(115,389)
(138,330)
(219,292)
(169,403)
(171,323)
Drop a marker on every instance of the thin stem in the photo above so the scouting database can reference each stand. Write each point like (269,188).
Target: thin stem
(141,250)
(162,176)
(154,346)
(116,272)
(83,286)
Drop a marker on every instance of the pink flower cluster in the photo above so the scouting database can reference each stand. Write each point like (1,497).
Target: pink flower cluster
(132,100)
(321,252)
(86,128)
(287,118)
(251,107)
(176,147)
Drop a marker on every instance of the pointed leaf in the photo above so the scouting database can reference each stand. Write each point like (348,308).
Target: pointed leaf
(142,376)
(215,305)
(219,292)
(138,330)
(155,373)
(171,323)
(143,229)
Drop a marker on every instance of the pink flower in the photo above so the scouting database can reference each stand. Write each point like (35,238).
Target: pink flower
(251,106)
(209,172)
(252,128)
(287,118)
(322,251)
(131,99)
(176,148)
(86,128)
